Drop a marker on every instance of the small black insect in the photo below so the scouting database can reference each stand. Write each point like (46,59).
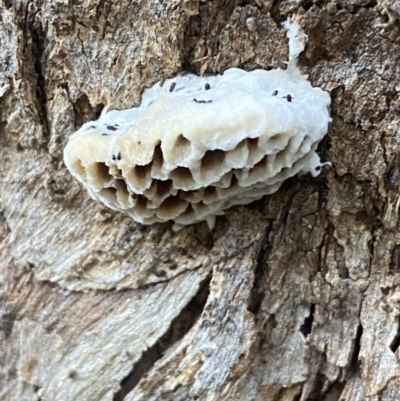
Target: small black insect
(288,98)
(113,157)
(172,87)
(207,86)
(72,374)
(105,134)
(111,128)
(202,101)
(119,157)
(92,126)
(274,93)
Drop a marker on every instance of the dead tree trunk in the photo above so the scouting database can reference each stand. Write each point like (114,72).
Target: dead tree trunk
(294,297)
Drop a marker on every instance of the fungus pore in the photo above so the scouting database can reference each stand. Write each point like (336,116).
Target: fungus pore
(199,145)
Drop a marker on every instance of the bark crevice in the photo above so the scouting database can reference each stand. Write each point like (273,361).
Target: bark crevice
(180,326)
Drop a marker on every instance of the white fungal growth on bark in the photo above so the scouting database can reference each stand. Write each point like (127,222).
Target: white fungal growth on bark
(199,145)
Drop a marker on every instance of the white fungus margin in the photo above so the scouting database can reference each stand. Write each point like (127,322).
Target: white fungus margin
(199,145)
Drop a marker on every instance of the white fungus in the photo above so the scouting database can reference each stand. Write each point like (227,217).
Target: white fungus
(199,145)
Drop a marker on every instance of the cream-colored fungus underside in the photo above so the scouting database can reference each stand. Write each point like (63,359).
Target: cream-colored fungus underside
(199,145)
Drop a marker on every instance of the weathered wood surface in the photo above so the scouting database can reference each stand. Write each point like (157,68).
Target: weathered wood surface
(295,297)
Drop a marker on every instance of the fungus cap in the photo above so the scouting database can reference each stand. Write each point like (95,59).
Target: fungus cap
(199,145)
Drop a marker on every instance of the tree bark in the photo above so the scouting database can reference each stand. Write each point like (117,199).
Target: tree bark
(294,297)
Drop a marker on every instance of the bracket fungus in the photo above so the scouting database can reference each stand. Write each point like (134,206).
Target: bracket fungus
(199,145)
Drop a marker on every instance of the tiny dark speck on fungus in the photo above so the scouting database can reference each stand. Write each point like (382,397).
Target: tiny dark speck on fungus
(111,128)
(202,101)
